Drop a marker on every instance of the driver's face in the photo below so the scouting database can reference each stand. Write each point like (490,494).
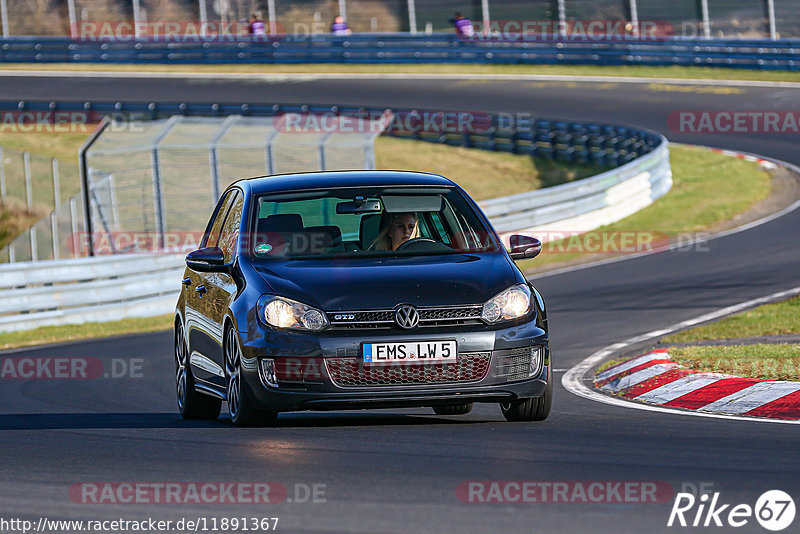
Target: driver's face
(401,230)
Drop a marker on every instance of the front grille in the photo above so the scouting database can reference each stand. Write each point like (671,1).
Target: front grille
(376,319)
(352,372)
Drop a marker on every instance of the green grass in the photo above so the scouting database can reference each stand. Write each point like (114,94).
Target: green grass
(59,334)
(481,173)
(708,189)
(775,362)
(769,320)
(433,68)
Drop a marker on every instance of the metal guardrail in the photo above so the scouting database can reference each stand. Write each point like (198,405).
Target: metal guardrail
(585,204)
(405,48)
(89,289)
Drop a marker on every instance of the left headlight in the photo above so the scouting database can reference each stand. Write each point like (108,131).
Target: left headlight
(281,312)
(513,303)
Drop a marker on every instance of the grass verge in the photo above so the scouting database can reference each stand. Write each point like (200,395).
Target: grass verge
(776,319)
(635,71)
(59,334)
(772,362)
(708,189)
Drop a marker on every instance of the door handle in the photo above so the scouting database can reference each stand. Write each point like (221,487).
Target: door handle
(201,290)
(186,281)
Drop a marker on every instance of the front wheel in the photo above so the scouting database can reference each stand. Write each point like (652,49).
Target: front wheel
(453,409)
(535,409)
(192,405)
(241,406)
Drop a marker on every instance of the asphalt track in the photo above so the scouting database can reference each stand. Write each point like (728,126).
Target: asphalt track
(398,470)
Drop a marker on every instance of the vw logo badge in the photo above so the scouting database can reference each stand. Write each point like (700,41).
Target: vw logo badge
(406,316)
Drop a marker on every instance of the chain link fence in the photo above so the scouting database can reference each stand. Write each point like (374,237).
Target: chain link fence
(679,18)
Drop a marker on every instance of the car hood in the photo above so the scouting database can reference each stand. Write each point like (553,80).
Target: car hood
(382,283)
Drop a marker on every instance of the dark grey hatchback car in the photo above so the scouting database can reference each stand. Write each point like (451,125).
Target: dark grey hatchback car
(357,289)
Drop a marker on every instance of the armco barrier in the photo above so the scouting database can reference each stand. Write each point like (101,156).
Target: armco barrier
(89,289)
(405,48)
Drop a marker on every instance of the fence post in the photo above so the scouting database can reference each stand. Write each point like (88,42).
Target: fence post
(773,31)
(2,177)
(73,20)
(562,19)
(56,186)
(634,17)
(273,19)
(54,231)
(485,14)
(706,20)
(4,17)
(136,17)
(412,17)
(203,18)
(26,162)
(73,223)
(343,9)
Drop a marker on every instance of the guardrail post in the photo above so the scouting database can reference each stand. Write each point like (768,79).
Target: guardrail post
(26,162)
(34,244)
(412,17)
(12,256)
(773,31)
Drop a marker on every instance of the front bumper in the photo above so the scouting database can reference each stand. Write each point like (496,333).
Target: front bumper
(305,381)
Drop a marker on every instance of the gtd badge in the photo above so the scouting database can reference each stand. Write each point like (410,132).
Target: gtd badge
(344,317)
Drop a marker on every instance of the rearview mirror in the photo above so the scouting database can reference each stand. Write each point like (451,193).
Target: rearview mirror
(524,247)
(206,260)
(359,205)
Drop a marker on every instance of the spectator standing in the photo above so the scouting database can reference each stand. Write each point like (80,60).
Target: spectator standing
(257,27)
(339,26)
(463,25)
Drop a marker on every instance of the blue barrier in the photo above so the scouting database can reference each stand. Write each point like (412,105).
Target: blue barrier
(600,144)
(404,48)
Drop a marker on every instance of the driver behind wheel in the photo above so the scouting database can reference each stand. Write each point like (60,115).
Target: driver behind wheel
(396,229)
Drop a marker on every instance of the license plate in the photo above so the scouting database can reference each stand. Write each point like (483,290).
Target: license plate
(416,352)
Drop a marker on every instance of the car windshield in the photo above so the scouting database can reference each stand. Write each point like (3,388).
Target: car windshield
(360,222)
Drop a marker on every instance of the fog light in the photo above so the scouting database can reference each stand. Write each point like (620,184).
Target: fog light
(266,369)
(536,360)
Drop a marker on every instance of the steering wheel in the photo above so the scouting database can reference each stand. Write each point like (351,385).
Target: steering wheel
(418,241)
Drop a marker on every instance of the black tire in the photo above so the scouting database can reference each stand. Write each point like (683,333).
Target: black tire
(453,409)
(191,404)
(241,405)
(535,409)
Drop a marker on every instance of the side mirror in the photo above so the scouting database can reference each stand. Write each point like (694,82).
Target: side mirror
(206,260)
(524,247)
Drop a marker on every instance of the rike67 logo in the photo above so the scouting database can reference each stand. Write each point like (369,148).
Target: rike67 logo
(774,510)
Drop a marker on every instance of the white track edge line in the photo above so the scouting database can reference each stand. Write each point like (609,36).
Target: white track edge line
(573,379)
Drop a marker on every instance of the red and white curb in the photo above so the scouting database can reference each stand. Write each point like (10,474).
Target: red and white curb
(767,164)
(654,378)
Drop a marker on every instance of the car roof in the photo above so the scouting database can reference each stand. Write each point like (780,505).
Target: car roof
(325,179)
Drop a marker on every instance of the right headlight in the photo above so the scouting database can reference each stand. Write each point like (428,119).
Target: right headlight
(513,303)
(282,312)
